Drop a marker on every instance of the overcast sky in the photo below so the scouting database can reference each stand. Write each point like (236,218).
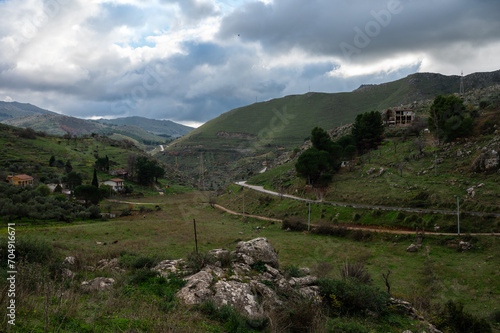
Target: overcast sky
(191,60)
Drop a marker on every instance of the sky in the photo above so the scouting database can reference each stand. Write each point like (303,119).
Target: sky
(192,60)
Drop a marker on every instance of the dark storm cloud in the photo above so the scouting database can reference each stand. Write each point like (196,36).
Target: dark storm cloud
(372,28)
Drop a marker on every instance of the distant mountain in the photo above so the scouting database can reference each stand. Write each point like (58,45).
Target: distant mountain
(139,129)
(270,126)
(159,127)
(57,124)
(9,110)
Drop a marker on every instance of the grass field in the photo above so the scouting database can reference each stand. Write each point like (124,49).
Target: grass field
(433,275)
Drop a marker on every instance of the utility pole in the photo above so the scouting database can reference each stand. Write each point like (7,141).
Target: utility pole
(458,215)
(309,218)
(195,238)
(243,203)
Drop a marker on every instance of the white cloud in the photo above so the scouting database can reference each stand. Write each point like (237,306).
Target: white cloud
(92,58)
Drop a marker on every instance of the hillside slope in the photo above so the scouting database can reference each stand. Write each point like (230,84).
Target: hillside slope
(283,123)
(158,127)
(9,110)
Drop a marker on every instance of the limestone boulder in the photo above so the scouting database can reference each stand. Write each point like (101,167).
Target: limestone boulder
(487,161)
(197,289)
(259,249)
(98,284)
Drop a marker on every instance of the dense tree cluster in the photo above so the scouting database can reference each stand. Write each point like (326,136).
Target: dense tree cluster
(319,162)
(368,130)
(148,170)
(27,203)
(449,118)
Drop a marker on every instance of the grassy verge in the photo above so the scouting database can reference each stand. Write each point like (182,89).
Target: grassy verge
(432,276)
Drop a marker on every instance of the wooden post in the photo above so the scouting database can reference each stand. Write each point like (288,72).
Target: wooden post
(195,238)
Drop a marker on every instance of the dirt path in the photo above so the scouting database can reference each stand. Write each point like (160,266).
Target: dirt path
(358,227)
(341,204)
(369,228)
(133,203)
(247,215)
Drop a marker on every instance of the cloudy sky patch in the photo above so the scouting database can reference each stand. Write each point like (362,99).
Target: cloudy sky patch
(191,60)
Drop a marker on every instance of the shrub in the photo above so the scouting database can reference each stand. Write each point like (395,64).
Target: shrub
(259,266)
(293,223)
(452,318)
(31,249)
(196,261)
(293,271)
(126,212)
(297,314)
(331,230)
(142,275)
(95,212)
(361,235)
(233,320)
(355,270)
(351,297)
(339,326)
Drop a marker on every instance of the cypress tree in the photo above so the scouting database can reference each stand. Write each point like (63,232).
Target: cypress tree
(95,182)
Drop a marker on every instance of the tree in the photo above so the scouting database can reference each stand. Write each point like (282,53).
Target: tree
(68,167)
(131,163)
(318,162)
(88,193)
(43,190)
(72,180)
(368,130)
(95,182)
(102,163)
(148,170)
(52,161)
(449,118)
(312,163)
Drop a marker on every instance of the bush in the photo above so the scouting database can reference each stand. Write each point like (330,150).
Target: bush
(293,271)
(297,314)
(355,270)
(142,275)
(196,261)
(95,212)
(361,235)
(31,249)
(350,297)
(233,320)
(293,223)
(126,212)
(339,326)
(331,230)
(452,318)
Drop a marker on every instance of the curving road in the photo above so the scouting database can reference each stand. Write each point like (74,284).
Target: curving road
(340,204)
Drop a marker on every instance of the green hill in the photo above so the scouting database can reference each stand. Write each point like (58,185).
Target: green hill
(283,123)
(56,124)
(10,110)
(158,127)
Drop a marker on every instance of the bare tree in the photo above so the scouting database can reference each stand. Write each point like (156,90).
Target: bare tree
(131,164)
(419,145)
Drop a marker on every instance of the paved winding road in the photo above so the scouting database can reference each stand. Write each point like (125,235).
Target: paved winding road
(340,204)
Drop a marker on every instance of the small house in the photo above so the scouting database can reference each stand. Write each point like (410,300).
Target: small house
(20,180)
(115,183)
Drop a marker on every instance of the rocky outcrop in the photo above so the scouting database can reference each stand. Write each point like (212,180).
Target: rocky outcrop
(98,284)
(235,135)
(258,249)
(251,283)
(487,161)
